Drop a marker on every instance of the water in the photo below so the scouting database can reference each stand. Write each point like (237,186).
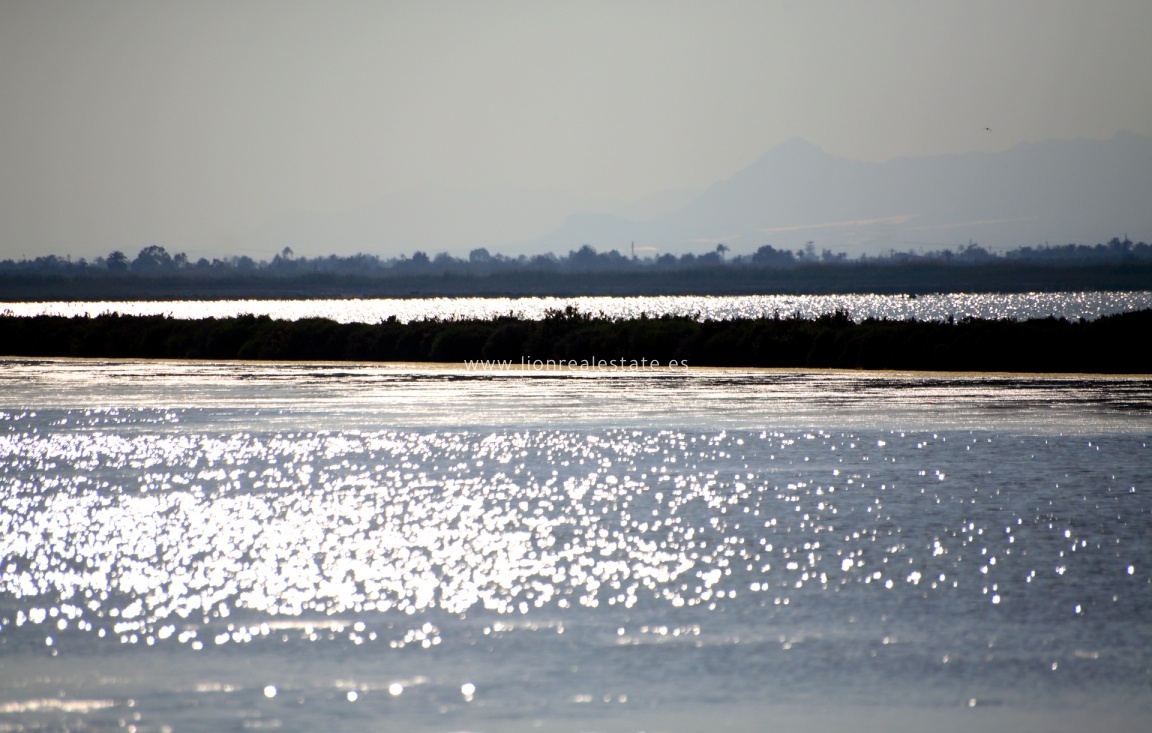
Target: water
(192,547)
(1073,305)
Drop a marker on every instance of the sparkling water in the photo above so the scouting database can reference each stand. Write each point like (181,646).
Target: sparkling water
(192,547)
(1071,305)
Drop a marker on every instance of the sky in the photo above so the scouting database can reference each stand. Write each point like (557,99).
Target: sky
(202,126)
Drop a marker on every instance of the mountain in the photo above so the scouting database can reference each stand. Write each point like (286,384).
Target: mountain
(1056,191)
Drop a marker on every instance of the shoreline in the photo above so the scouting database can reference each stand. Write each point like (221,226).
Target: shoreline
(802,279)
(690,371)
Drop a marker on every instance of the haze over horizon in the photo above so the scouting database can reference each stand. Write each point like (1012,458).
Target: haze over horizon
(238,128)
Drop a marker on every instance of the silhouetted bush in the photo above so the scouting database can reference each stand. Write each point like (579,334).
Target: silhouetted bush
(1112,344)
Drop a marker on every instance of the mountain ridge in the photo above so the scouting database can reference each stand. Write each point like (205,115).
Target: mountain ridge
(1080,190)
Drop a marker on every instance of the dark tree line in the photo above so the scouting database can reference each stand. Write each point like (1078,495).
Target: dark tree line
(1112,344)
(156,261)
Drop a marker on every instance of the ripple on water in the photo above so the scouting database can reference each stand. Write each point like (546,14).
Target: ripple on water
(939,306)
(158,538)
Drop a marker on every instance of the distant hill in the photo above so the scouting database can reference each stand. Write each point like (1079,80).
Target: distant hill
(1052,191)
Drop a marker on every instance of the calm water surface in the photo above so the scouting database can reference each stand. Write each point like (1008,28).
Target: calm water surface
(1070,305)
(312,547)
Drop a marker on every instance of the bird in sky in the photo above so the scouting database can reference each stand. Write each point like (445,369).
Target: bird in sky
(989,129)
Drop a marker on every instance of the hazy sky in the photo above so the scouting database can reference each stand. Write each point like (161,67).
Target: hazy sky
(191,124)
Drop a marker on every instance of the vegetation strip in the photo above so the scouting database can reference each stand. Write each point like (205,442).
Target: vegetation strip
(1112,344)
(917,278)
